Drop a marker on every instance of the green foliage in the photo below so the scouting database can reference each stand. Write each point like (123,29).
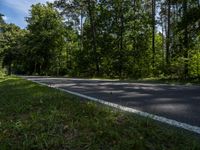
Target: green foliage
(194,65)
(194,61)
(2,73)
(11,44)
(114,39)
(45,39)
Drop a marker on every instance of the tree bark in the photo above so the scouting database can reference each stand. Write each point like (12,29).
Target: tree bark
(168,34)
(93,30)
(153,31)
(121,39)
(185,7)
(81,47)
(9,69)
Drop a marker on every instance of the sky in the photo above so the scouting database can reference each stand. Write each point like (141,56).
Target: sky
(15,11)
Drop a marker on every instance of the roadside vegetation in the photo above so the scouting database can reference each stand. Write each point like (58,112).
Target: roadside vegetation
(37,117)
(156,80)
(165,80)
(109,39)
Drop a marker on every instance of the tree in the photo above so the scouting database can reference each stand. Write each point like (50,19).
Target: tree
(11,35)
(1,19)
(168,33)
(75,9)
(45,39)
(153,29)
(107,38)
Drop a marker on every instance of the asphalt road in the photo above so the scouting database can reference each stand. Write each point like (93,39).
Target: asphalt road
(180,103)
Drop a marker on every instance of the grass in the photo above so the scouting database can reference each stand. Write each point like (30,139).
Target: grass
(168,80)
(154,80)
(158,80)
(37,117)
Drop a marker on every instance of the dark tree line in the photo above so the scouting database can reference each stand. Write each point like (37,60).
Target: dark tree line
(120,38)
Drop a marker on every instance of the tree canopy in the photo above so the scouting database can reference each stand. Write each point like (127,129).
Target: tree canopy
(116,39)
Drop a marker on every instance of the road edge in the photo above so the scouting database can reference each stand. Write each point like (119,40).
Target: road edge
(165,120)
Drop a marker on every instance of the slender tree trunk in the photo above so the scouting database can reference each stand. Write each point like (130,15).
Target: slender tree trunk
(39,69)
(168,34)
(9,69)
(59,62)
(163,42)
(35,67)
(121,39)
(134,39)
(198,73)
(93,30)
(81,47)
(153,31)
(67,60)
(185,6)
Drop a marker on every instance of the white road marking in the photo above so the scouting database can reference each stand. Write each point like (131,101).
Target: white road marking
(175,123)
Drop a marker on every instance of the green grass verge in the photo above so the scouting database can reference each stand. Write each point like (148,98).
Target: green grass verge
(166,80)
(37,117)
(170,81)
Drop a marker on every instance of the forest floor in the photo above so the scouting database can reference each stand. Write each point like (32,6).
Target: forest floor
(38,117)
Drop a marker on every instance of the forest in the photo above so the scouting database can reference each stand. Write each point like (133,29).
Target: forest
(105,38)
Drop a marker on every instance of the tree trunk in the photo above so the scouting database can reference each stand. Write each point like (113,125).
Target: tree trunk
(153,31)
(9,69)
(163,42)
(185,6)
(81,47)
(121,39)
(93,31)
(35,68)
(168,35)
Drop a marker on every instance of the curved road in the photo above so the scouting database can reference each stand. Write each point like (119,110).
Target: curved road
(177,102)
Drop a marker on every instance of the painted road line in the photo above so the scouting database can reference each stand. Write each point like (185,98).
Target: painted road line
(175,123)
